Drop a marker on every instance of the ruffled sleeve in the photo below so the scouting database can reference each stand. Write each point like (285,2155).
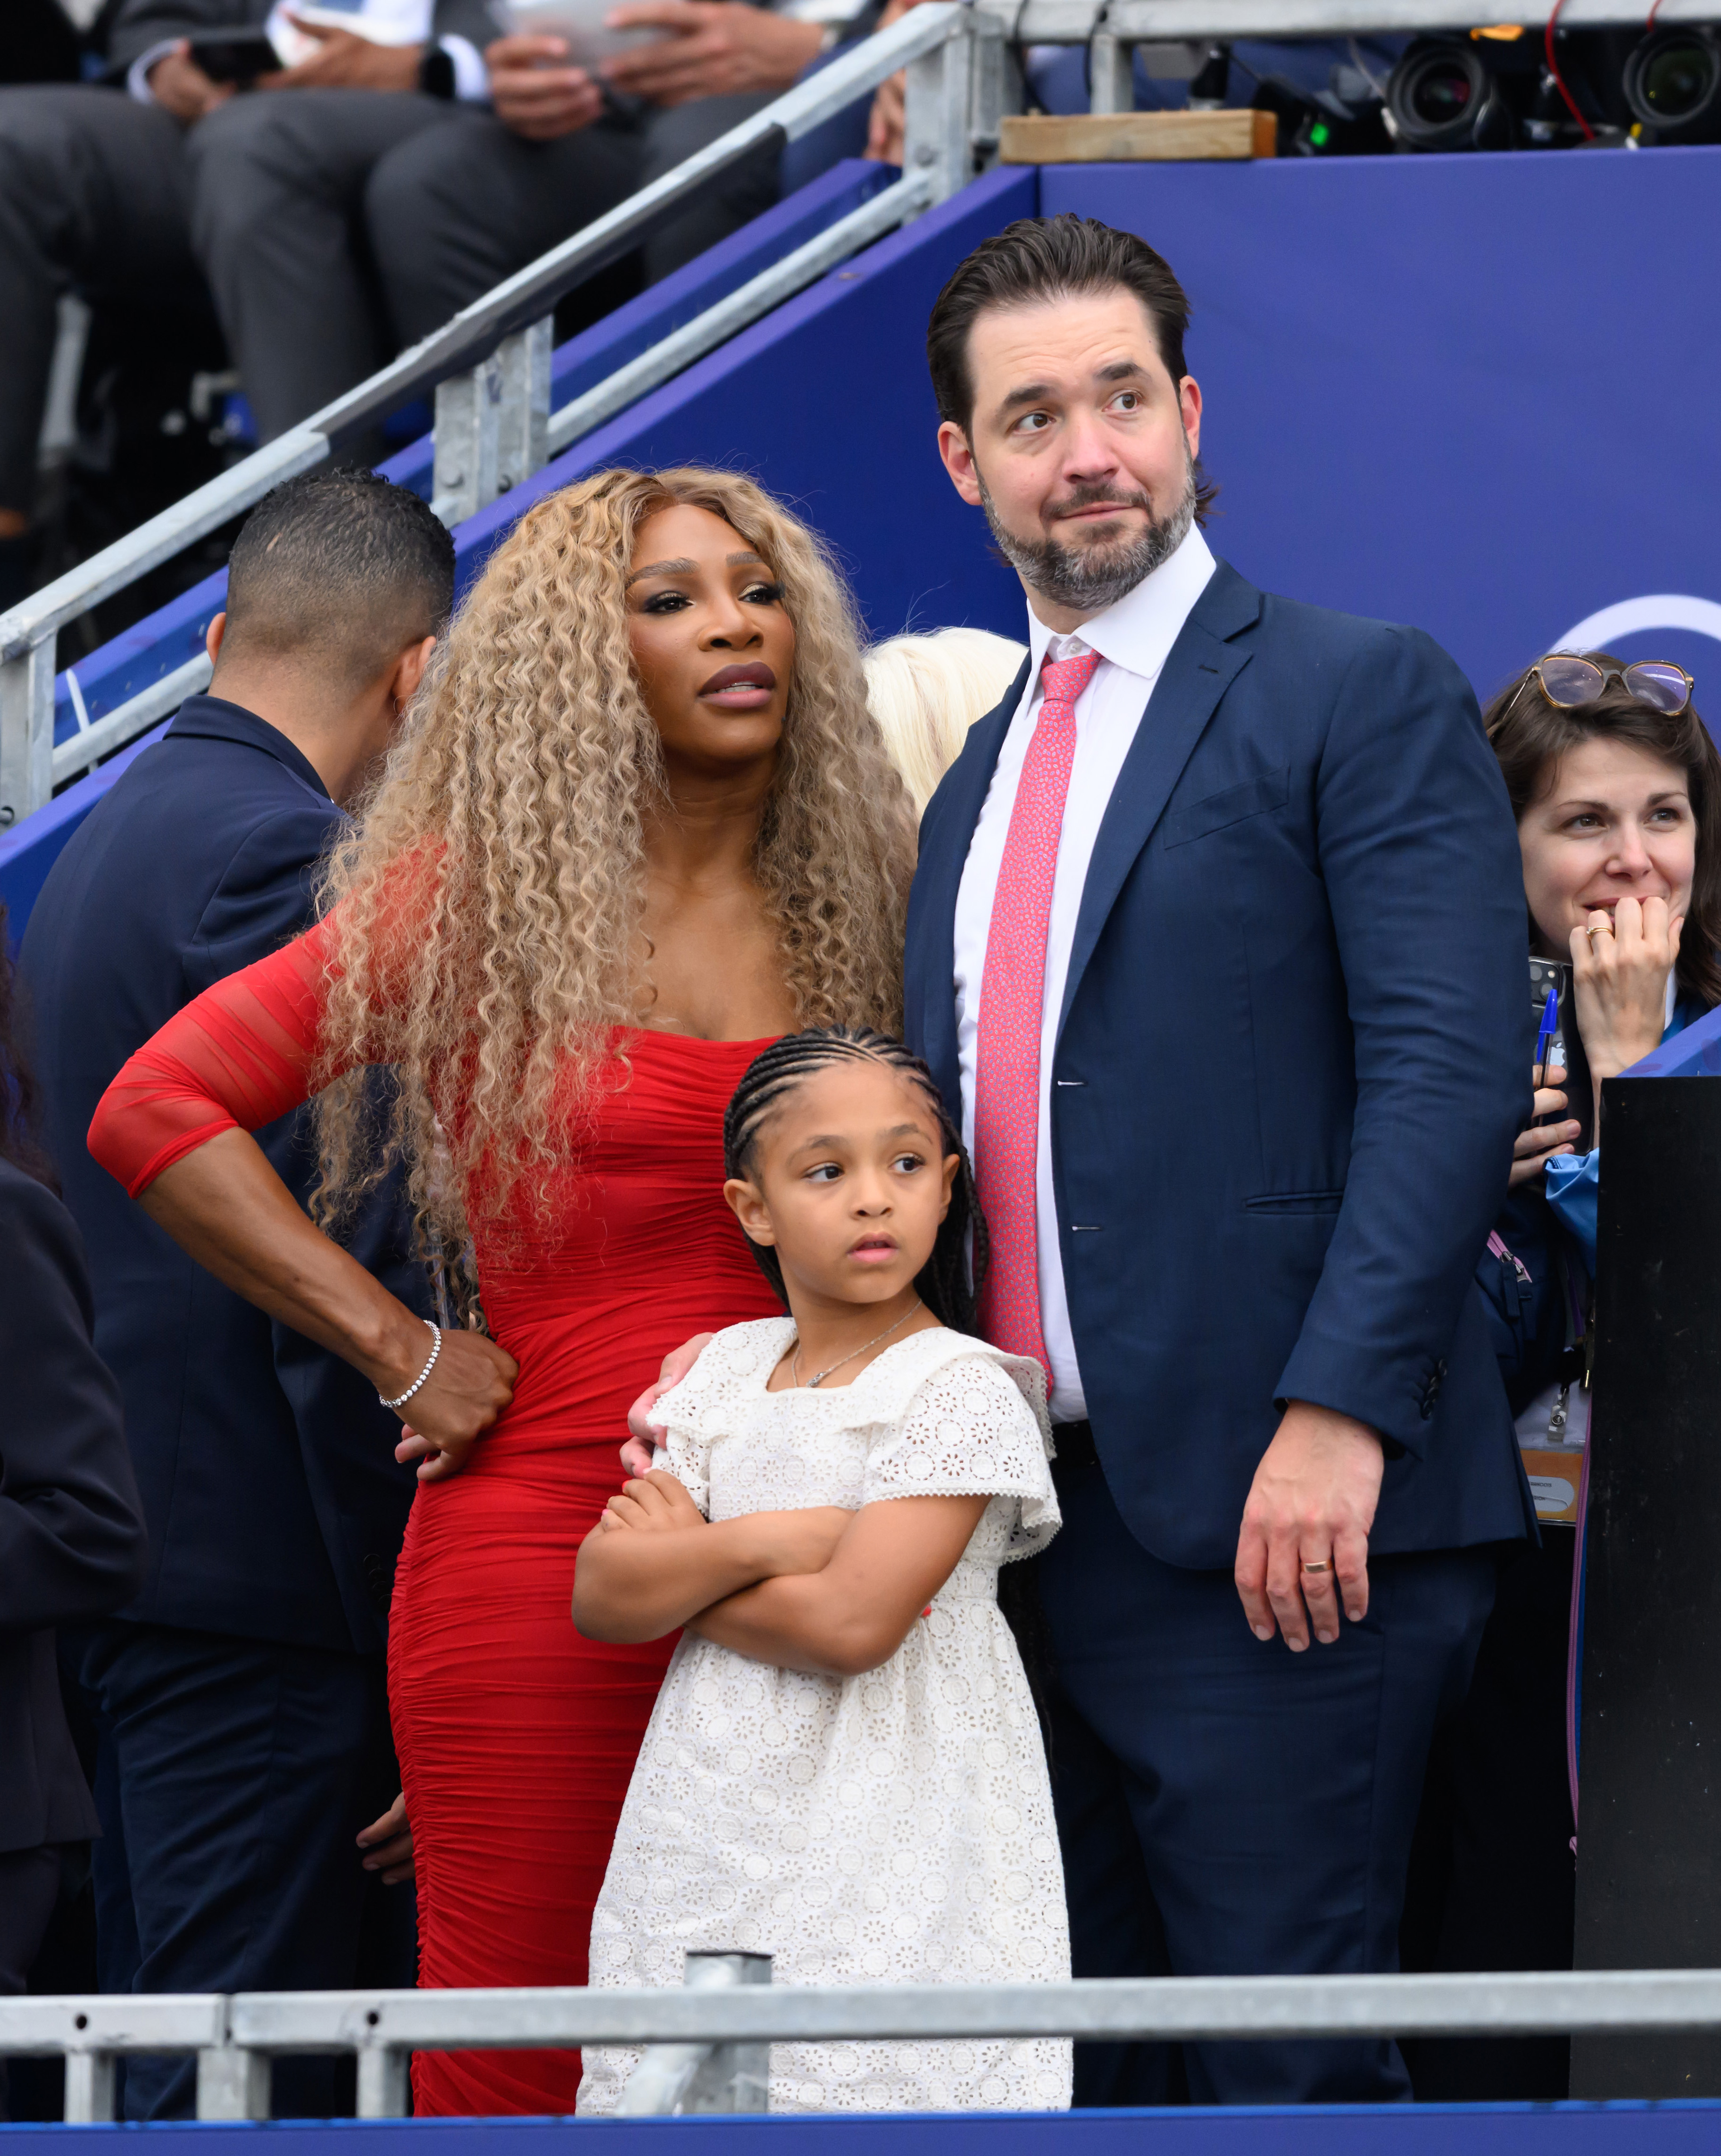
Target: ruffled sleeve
(706,1404)
(972,1428)
(237,1057)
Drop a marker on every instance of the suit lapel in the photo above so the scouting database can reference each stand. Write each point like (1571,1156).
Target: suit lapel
(947,832)
(1201,666)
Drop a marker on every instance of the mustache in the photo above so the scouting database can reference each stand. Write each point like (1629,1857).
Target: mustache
(1096,494)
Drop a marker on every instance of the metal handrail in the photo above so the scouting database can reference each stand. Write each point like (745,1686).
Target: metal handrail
(504,336)
(235,2035)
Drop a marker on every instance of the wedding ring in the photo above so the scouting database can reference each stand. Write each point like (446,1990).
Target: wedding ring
(1317,1564)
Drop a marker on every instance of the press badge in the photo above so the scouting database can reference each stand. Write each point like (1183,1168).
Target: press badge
(1552,1433)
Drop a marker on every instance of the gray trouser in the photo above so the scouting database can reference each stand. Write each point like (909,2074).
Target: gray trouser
(337,226)
(93,193)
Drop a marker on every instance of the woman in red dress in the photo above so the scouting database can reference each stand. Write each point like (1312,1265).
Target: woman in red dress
(639,823)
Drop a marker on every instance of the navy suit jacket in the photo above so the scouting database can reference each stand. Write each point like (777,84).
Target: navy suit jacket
(1291,1058)
(275,1507)
(71,1534)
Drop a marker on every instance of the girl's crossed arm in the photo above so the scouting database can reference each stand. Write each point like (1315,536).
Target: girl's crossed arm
(853,1613)
(653,1560)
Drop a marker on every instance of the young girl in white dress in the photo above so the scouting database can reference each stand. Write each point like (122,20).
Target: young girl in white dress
(844,1769)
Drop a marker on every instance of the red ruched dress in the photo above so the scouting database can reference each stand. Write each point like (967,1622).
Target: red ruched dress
(516,1738)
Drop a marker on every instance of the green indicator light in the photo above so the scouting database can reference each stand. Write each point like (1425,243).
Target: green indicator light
(1320,134)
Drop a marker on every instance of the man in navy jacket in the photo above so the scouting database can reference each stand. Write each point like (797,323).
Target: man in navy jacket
(241,1696)
(1218,937)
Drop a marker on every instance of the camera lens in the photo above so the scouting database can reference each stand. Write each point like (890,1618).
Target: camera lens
(1442,97)
(1671,79)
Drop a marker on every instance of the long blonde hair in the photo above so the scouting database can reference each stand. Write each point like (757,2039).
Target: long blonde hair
(485,924)
(926,692)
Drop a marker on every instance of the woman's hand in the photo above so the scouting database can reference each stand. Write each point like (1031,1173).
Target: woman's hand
(471,1384)
(1532,1149)
(1620,970)
(644,1435)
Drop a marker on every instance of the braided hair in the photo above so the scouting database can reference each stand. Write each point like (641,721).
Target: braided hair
(944,1284)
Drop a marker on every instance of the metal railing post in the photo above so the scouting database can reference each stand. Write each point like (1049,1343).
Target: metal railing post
(492,423)
(995,86)
(232,2082)
(523,423)
(936,125)
(1111,72)
(383,2081)
(675,2080)
(26,731)
(89,2088)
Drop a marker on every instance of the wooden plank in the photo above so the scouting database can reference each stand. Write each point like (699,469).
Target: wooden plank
(1104,138)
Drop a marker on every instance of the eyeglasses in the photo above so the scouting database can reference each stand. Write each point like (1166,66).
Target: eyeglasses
(1567,682)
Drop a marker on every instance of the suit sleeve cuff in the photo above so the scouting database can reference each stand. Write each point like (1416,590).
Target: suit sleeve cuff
(137,75)
(1394,1394)
(471,75)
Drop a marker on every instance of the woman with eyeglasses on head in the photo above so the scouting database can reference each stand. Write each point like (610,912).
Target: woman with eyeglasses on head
(1616,787)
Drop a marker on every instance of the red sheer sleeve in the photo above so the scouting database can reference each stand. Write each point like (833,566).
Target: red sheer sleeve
(236,1058)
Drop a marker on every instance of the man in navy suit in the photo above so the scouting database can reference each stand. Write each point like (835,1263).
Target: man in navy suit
(241,1697)
(1218,937)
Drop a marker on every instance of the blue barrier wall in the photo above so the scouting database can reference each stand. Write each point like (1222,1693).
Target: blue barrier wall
(1470,393)
(1562,2129)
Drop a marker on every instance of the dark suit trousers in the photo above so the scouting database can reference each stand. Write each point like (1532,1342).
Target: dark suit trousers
(94,195)
(337,226)
(233,1777)
(1227,1808)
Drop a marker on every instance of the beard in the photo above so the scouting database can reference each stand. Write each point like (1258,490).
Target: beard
(1089,578)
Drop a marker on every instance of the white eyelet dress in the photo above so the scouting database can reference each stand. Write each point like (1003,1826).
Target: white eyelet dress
(894,1828)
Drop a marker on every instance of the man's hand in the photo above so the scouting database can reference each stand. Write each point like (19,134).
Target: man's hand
(345,61)
(471,1384)
(718,47)
(1312,1502)
(389,1840)
(182,89)
(1620,969)
(1534,1148)
(644,1435)
(531,94)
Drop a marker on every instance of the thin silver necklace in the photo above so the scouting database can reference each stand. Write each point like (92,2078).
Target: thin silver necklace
(814,1381)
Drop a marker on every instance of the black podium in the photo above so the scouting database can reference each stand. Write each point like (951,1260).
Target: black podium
(1649,1824)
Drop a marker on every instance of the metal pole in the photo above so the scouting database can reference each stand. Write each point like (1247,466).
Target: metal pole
(383,2081)
(675,2080)
(89,2088)
(232,2082)
(1110,73)
(26,731)
(936,144)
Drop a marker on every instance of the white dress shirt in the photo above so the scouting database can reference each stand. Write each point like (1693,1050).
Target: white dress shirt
(1133,639)
(384,21)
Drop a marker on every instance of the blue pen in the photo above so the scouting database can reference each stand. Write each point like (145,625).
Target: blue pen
(1550,1026)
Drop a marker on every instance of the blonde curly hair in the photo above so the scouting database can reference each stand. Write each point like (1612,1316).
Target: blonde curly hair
(484,915)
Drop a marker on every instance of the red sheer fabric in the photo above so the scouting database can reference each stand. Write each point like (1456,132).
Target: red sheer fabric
(516,1738)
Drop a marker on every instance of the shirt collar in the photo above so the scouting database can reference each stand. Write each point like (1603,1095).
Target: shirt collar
(1138,631)
(212,718)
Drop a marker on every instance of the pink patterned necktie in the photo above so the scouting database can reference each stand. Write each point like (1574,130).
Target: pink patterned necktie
(1012,1013)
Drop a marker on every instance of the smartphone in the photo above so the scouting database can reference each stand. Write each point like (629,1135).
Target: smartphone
(581,23)
(235,56)
(1555,975)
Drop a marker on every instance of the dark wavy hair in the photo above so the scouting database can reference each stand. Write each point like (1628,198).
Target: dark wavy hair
(20,1100)
(1041,258)
(1530,736)
(943,1285)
